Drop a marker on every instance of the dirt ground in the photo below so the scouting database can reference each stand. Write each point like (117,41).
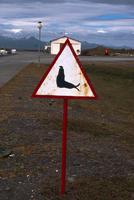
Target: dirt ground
(100,164)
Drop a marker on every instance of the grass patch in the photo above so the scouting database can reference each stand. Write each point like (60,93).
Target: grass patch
(33,128)
(112,72)
(93,128)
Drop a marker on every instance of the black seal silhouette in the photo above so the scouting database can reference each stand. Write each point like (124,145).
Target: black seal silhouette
(61,83)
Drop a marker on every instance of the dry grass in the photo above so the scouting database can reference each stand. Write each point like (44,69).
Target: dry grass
(92,188)
(100,137)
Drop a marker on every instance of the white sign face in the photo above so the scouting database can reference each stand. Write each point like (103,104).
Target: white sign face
(65,78)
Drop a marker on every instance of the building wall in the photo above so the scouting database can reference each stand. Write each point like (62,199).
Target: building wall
(55,45)
(55,48)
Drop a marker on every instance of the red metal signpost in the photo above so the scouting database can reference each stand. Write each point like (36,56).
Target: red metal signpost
(64,147)
(65,79)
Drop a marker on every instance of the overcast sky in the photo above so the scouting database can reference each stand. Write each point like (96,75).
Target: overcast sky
(109,22)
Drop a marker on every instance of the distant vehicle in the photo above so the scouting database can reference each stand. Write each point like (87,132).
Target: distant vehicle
(3,52)
(7,51)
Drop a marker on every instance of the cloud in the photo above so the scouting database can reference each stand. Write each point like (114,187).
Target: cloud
(80,18)
(31,1)
(101,31)
(116,2)
(14,30)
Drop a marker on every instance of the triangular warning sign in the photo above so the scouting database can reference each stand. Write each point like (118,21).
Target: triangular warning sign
(65,78)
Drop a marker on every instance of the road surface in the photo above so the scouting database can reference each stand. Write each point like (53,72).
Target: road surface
(11,65)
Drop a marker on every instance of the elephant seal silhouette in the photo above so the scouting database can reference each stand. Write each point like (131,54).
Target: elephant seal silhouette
(61,83)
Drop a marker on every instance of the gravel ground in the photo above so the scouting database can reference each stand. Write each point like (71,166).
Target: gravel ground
(100,140)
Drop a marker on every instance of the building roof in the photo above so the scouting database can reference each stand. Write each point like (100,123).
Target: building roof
(65,37)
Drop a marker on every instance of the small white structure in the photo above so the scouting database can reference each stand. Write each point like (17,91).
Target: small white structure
(13,51)
(46,47)
(3,52)
(57,44)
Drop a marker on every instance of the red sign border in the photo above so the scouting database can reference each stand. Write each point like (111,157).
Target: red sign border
(34,95)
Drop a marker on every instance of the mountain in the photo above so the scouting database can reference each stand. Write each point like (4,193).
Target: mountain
(100,51)
(86,45)
(30,43)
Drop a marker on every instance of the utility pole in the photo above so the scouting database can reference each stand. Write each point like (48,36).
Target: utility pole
(39,25)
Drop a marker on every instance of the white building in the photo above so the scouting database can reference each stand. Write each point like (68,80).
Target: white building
(13,51)
(57,44)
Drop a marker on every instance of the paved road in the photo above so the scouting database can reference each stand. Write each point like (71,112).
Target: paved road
(11,65)
(105,58)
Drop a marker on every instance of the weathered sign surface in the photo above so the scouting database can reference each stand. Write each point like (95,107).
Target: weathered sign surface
(65,77)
